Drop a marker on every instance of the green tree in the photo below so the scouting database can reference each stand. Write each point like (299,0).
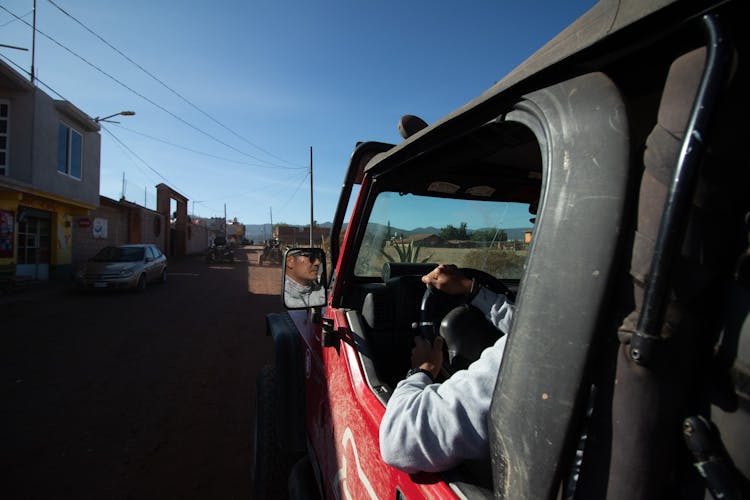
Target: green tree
(490,235)
(451,232)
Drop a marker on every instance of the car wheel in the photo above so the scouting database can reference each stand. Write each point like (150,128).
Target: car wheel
(271,465)
(141,285)
(163,277)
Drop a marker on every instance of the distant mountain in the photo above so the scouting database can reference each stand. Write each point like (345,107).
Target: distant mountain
(257,232)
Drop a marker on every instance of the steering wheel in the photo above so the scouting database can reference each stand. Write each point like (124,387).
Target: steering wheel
(465,329)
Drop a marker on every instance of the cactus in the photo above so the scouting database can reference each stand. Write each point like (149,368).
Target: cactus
(407,252)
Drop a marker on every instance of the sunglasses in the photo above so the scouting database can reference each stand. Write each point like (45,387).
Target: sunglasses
(313,256)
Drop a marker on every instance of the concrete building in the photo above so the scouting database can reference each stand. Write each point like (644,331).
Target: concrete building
(49,174)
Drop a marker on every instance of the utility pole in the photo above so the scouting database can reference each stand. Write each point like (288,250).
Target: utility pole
(225,220)
(311,199)
(122,197)
(33,43)
(270,211)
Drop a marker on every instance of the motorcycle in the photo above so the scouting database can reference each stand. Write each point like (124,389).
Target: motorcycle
(219,251)
(271,253)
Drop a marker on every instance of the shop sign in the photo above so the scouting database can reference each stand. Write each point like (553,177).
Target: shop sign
(84,222)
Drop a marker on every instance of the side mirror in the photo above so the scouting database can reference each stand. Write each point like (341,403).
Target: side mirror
(304,278)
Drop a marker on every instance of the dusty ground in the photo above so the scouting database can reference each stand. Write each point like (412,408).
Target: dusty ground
(125,395)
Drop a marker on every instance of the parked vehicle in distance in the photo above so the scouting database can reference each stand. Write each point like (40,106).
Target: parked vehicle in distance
(271,253)
(220,251)
(123,266)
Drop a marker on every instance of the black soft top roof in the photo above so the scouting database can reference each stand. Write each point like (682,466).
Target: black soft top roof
(603,20)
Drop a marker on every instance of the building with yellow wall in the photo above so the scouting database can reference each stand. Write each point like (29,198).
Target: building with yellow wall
(49,173)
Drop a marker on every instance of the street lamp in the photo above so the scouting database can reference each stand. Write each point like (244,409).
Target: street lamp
(107,118)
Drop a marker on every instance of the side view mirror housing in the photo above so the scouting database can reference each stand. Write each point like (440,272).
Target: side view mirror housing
(303,281)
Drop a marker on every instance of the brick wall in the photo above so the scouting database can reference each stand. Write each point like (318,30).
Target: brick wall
(126,223)
(153,228)
(85,245)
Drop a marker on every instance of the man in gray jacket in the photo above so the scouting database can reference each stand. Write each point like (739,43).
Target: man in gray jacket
(302,287)
(433,427)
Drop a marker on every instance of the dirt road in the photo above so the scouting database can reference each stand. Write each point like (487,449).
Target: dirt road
(127,395)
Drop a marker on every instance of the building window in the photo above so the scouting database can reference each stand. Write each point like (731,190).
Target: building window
(4,131)
(69,151)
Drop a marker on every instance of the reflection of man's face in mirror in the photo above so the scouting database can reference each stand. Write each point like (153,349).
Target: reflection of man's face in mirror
(303,267)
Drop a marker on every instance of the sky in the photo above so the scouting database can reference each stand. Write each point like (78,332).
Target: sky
(231,95)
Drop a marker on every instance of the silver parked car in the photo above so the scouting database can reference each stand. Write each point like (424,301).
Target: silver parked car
(123,266)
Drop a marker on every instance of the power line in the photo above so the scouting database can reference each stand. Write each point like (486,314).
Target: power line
(141,159)
(228,197)
(125,147)
(203,153)
(120,143)
(152,102)
(259,188)
(154,77)
(35,79)
(294,193)
(14,20)
(129,155)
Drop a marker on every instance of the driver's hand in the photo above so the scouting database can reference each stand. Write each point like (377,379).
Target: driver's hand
(428,356)
(448,279)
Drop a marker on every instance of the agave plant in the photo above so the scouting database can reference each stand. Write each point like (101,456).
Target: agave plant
(407,252)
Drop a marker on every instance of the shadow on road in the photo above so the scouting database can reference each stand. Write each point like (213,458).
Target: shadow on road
(135,395)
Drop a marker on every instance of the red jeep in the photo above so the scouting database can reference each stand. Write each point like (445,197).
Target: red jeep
(603,182)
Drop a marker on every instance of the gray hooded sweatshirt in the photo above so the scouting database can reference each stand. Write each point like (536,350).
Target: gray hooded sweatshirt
(433,427)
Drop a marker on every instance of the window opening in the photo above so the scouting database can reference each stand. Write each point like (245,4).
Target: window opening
(69,151)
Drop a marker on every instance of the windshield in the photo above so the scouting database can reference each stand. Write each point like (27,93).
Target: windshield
(487,235)
(119,254)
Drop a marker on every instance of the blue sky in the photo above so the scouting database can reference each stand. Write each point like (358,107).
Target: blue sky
(245,88)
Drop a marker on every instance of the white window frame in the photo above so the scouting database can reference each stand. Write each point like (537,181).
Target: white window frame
(68,158)
(5,165)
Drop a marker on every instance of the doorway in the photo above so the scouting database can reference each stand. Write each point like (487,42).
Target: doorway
(34,245)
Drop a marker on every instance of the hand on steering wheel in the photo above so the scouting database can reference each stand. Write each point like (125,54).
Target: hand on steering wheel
(449,280)
(447,284)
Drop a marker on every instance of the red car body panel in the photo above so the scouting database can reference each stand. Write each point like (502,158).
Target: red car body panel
(343,423)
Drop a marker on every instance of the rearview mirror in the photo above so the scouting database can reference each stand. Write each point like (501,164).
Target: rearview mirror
(304,278)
